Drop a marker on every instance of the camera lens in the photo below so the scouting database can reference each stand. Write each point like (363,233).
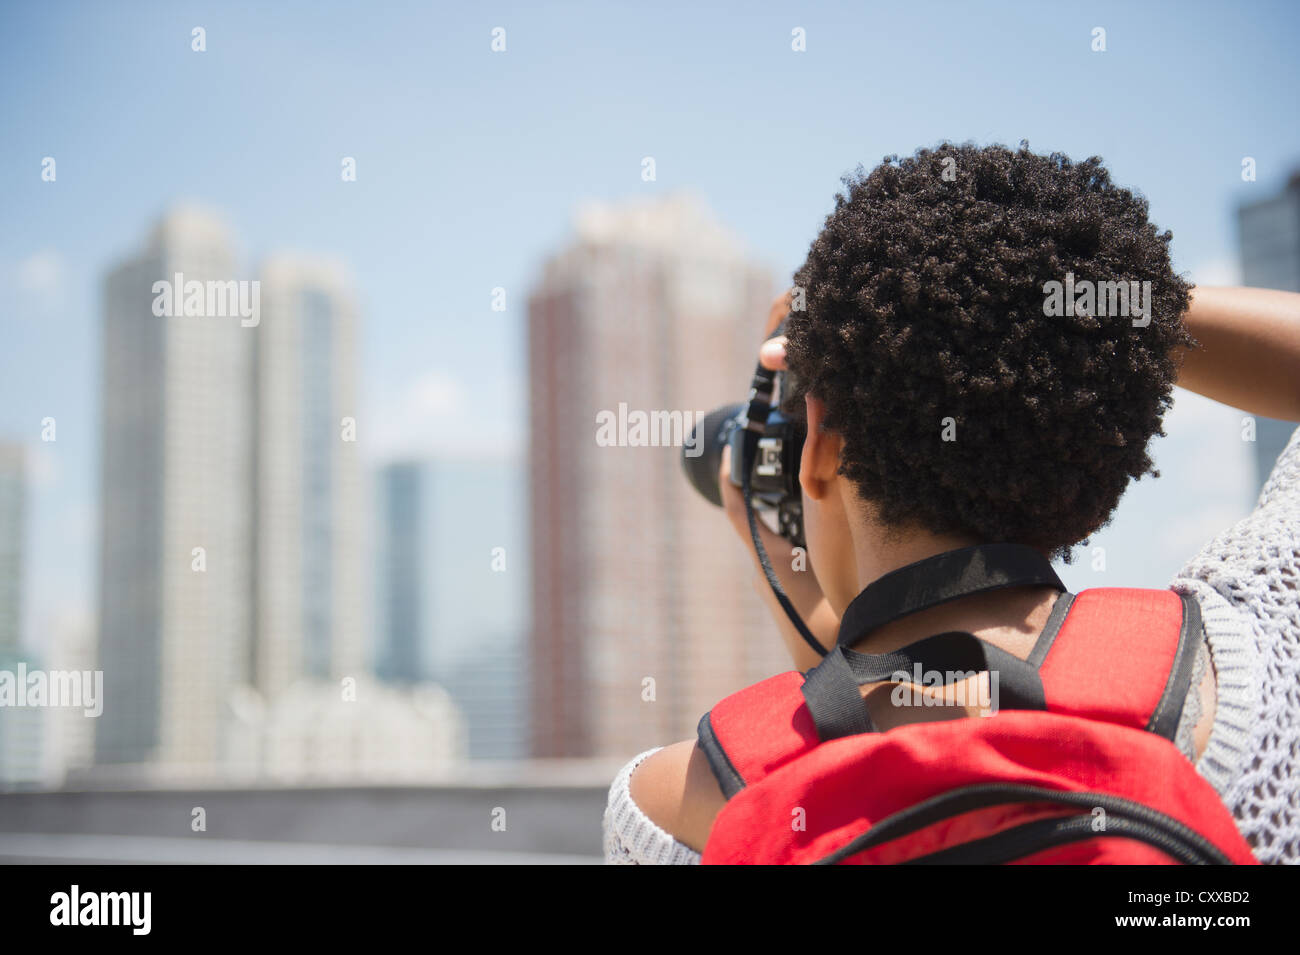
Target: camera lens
(702,469)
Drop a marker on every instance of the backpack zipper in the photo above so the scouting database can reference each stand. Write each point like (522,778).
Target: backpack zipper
(1139,821)
(1033,837)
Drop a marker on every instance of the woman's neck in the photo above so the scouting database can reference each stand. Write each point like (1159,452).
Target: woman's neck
(1011,618)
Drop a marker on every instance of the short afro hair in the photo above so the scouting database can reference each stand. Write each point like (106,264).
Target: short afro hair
(924,301)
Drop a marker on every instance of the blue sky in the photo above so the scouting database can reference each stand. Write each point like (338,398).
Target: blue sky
(470,164)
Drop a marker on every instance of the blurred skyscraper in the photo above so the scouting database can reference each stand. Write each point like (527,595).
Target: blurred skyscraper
(13,494)
(452,589)
(308,579)
(643,612)
(175,568)
(72,732)
(405,574)
(23,730)
(1270,258)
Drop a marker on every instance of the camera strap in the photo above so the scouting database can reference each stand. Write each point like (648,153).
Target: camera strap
(941,578)
(750,449)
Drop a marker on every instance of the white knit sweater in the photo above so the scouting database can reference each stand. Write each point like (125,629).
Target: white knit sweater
(1247,582)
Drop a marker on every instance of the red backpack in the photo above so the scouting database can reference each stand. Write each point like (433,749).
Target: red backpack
(1076,766)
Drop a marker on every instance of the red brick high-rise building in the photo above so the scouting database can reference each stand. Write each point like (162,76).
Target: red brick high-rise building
(635,578)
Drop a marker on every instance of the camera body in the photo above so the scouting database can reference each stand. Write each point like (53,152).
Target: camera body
(774,477)
(774,473)
(766,448)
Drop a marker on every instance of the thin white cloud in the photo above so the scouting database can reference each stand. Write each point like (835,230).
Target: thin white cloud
(1216,272)
(41,274)
(436,394)
(435,414)
(43,470)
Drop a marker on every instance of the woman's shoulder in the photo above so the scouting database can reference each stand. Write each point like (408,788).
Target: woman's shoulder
(661,807)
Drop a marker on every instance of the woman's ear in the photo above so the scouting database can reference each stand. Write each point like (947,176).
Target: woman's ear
(820,464)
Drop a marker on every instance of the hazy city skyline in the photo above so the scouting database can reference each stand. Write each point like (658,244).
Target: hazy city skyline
(443,248)
(676,247)
(329,529)
(447,206)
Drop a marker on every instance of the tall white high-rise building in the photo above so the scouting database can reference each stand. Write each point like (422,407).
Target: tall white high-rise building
(175,550)
(309,588)
(233,577)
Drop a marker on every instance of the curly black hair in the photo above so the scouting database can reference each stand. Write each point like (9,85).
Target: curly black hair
(924,301)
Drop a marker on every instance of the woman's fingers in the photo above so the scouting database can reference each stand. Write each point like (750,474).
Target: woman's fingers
(772,354)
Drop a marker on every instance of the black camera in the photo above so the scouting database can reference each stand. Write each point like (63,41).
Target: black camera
(766,446)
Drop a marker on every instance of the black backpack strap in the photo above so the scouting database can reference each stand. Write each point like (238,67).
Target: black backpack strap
(729,779)
(831,689)
(838,709)
(1164,721)
(831,692)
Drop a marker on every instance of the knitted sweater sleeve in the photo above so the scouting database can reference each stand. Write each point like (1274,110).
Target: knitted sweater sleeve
(1247,581)
(630,836)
